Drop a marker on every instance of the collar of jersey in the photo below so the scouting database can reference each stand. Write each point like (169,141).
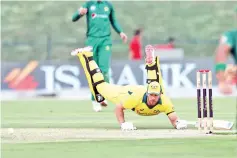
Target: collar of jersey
(144,100)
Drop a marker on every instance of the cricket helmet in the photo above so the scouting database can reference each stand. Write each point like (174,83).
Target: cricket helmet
(154,88)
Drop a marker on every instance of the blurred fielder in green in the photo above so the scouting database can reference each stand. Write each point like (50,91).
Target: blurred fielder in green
(227,74)
(99,15)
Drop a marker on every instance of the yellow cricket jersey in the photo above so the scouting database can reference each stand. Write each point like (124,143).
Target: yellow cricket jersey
(137,102)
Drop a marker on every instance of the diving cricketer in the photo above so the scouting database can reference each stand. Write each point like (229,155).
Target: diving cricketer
(226,74)
(144,100)
(99,15)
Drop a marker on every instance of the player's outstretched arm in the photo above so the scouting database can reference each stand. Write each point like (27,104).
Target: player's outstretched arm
(173,117)
(176,122)
(222,53)
(119,112)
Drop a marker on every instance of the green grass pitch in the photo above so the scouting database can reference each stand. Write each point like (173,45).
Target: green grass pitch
(79,114)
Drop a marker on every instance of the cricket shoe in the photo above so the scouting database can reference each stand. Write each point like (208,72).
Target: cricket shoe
(150,56)
(96,106)
(81,50)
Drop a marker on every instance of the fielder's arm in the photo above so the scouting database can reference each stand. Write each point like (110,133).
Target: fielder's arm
(80,12)
(113,20)
(222,52)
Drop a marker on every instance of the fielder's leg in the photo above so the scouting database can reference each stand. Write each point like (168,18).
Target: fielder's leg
(104,58)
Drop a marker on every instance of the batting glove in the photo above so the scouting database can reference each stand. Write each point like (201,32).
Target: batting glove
(181,124)
(127,126)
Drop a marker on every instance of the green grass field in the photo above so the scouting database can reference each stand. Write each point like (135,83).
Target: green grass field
(178,148)
(59,114)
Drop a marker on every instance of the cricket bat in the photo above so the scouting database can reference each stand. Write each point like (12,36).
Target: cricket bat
(217,124)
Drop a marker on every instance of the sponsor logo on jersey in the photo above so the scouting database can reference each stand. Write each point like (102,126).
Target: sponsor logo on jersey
(145,114)
(106,9)
(156,111)
(94,15)
(93,8)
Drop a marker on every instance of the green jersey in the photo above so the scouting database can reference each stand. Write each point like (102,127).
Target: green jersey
(100,14)
(230,38)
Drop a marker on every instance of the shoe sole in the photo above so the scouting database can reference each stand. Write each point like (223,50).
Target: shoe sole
(149,53)
(80,50)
